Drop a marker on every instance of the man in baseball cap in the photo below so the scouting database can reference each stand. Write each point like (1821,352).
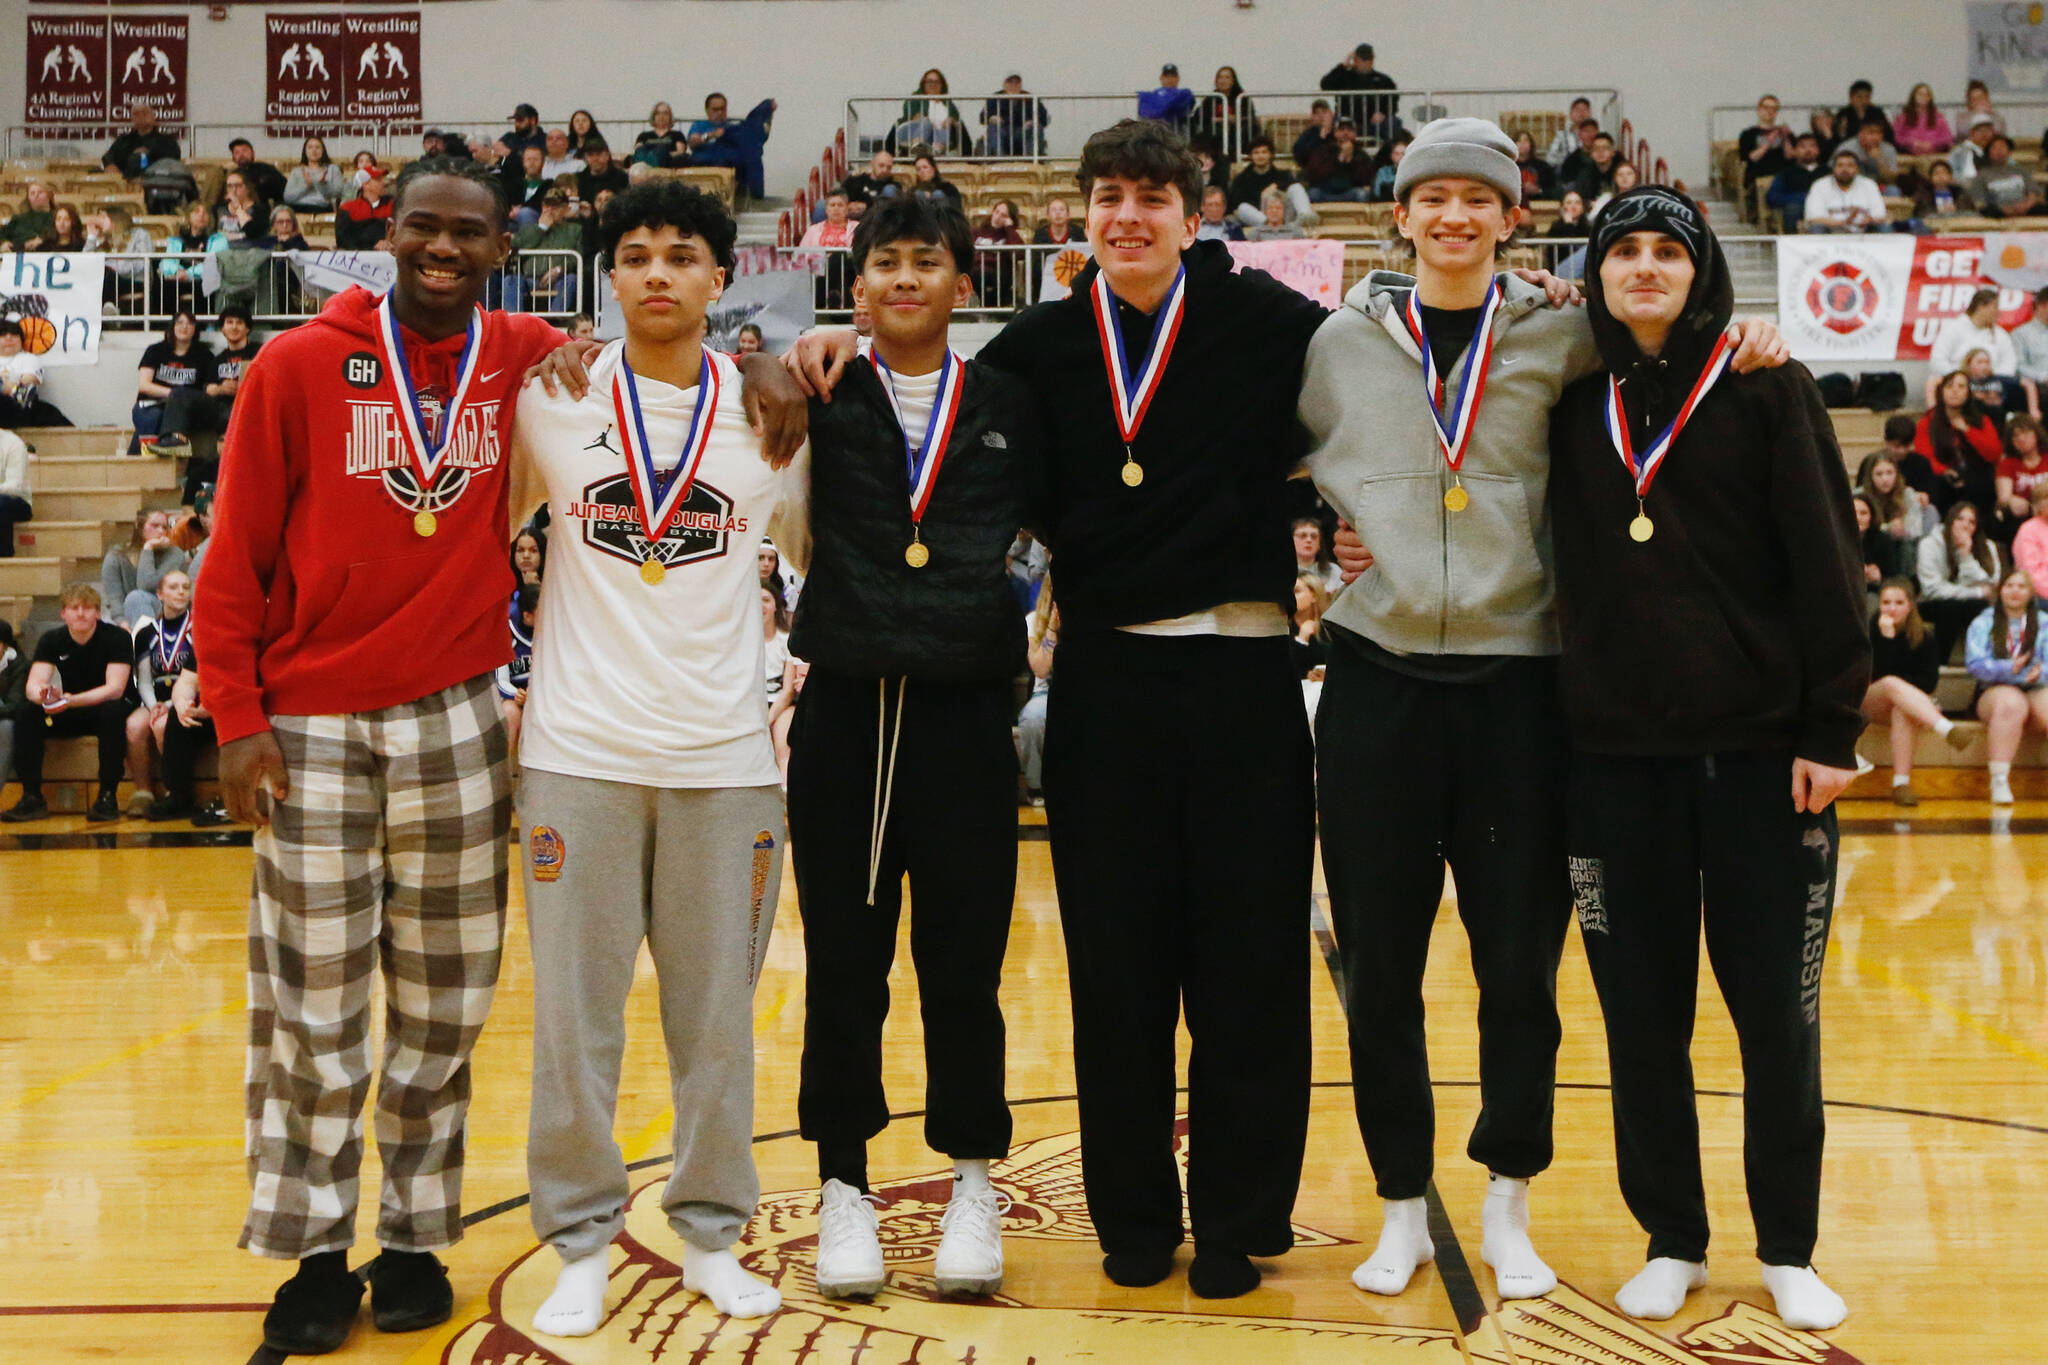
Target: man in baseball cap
(1169,104)
(526,132)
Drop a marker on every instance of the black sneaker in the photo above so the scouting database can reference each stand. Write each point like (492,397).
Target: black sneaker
(409,1291)
(172,444)
(106,807)
(314,1309)
(207,816)
(171,808)
(30,807)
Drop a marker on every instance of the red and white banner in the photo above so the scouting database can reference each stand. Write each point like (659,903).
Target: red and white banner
(146,64)
(67,71)
(1314,267)
(302,85)
(329,69)
(1884,297)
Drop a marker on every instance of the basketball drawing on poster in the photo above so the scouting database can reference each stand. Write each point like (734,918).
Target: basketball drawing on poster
(54,298)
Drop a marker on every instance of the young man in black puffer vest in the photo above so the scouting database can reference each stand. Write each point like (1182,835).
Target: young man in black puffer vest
(923,467)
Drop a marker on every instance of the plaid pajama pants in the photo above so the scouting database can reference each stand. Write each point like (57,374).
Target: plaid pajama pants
(389,854)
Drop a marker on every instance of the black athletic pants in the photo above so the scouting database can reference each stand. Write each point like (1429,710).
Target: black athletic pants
(1414,774)
(12,510)
(33,727)
(1652,838)
(952,827)
(183,744)
(1180,792)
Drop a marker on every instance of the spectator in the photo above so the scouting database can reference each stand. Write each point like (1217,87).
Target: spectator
(1880,555)
(525,132)
(1922,129)
(188,734)
(1392,152)
(1312,557)
(240,216)
(29,229)
(1958,568)
(1901,432)
(1974,329)
(1168,102)
(21,382)
(1962,444)
(1976,102)
(599,173)
(1903,512)
(927,184)
(1341,172)
(1215,166)
(1566,140)
(1790,187)
(830,239)
(133,151)
(2004,656)
(67,232)
(1905,668)
(1044,639)
(1571,220)
(266,180)
(558,158)
(1859,110)
(1989,389)
(1226,115)
(2030,343)
(1847,201)
(1539,181)
(14,666)
(513,677)
(1967,157)
(787,582)
(16,498)
(1579,160)
(362,222)
(661,143)
(878,181)
(1765,147)
(1938,195)
(717,140)
(315,184)
(529,556)
(582,128)
(1013,120)
(1216,223)
(179,361)
(778,672)
(360,166)
(78,685)
(163,650)
(995,260)
(1626,178)
(1875,157)
(930,119)
(190,409)
(1322,128)
(1273,224)
(1056,228)
(1376,115)
(526,186)
(110,228)
(749,339)
(182,270)
(1305,645)
(1026,564)
(192,532)
(2024,469)
(550,281)
(2000,189)
(1596,174)
(1248,187)
(2030,546)
(130,573)
(285,233)
(1821,124)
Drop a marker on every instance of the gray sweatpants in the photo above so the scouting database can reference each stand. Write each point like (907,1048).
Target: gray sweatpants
(695,874)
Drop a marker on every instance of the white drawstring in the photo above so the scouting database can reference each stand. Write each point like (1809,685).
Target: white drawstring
(884,791)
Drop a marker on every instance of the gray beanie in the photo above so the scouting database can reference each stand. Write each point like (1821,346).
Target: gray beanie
(1467,148)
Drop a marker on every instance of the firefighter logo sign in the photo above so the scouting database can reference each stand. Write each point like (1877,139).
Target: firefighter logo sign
(1841,298)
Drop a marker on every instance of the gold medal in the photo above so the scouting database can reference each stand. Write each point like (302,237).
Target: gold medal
(423,523)
(1641,529)
(1455,498)
(1134,473)
(915,554)
(652,572)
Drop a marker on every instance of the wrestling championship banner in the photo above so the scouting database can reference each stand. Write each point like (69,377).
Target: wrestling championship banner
(327,70)
(1884,296)
(91,71)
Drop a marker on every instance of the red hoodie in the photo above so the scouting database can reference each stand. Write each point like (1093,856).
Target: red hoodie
(321,597)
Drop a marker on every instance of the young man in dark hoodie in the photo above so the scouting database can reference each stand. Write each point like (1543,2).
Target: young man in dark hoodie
(1714,659)
(901,761)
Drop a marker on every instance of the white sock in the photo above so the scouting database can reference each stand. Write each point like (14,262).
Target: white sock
(2000,772)
(1404,1245)
(1518,1272)
(1944,726)
(719,1277)
(1901,779)
(1658,1290)
(1803,1301)
(970,1176)
(576,1308)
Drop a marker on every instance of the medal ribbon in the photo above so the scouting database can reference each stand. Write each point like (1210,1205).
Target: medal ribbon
(1643,469)
(658,500)
(426,453)
(927,455)
(169,646)
(1455,434)
(1132,393)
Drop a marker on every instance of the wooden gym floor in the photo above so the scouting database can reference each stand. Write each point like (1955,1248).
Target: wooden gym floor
(122,1186)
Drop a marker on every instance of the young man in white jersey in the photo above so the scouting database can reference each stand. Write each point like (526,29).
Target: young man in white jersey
(649,788)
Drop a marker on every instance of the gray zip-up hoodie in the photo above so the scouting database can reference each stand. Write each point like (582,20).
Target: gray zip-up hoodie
(1476,581)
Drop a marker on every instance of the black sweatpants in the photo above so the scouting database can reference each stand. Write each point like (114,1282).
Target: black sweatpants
(1653,838)
(183,744)
(1414,774)
(1180,793)
(952,827)
(33,727)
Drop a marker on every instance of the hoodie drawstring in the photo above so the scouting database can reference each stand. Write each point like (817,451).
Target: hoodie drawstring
(885,789)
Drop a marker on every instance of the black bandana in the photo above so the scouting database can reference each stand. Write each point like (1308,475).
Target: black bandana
(1651,208)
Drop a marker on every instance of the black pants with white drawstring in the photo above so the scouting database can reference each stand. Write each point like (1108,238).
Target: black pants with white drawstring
(938,759)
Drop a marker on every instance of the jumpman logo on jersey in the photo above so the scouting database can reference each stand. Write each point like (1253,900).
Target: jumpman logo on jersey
(603,441)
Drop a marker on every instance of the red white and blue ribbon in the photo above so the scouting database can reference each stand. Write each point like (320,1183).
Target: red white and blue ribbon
(657,498)
(1454,433)
(1643,468)
(1131,390)
(925,457)
(169,646)
(427,446)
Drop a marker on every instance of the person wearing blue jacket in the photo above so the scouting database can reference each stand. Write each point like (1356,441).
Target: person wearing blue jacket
(2003,651)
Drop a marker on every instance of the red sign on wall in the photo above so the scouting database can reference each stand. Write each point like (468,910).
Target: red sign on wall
(382,57)
(67,71)
(303,91)
(146,63)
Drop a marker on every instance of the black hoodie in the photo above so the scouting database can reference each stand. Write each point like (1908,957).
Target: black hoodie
(1739,626)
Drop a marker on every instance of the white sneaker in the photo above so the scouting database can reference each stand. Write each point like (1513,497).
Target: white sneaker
(139,803)
(2001,791)
(849,1250)
(970,1259)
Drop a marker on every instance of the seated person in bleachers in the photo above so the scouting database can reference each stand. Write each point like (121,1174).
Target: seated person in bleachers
(513,677)
(1539,180)
(1861,108)
(1340,172)
(181,274)
(1958,568)
(529,556)
(2004,656)
(1789,187)
(1846,201)
(878,181)
(266,180)
(720,140)
(30,227)
(661,143)
(2001,189)
(995,268)
(2030,545)
(1938,195)
(928,184)
(77,686)
(1322,128)
(1209,154)
(1275,223)
(748,340)
(208,409)
(163,650)
(21,383)
(1963,443)
(240,216)
(1974,329)
(1875,157)
(1013,122)
(1969,155)
(1375,114)
(834,282)
(559,158)
(15,494)
(1997,393)
(1566,140)
(1976,102)
(1765,147)
(525,132)
(928,118)
(112,229)
(131,573)
(363,220)
(1169,102)
(1249,185)
(1311,556)
(599,173)
(284,233)
(2024,468)
(1225,115)
(191,532)
(1921,128)
(67,229)
(1306,647)
(1903,512)
(1388,162)
(179,361)
(1596,174)
(582,128)
(1880,553)
(1572,220)
(1626,178)
(132,152)
(1043,639)
(315,184)
(187,736)
(550,281)
(1905,669)
(14,667)
(1580,159)
(1056,227)
(2030,343)
(526,185)
(1216,223)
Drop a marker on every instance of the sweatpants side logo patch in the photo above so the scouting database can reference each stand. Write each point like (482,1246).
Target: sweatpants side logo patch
(1589,894)
(549,853)
(764,857)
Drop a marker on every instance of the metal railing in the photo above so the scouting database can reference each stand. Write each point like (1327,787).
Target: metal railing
(1007,278)
(209,141)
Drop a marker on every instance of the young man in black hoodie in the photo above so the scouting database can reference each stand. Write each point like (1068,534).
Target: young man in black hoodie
(923,470)
(1711,602)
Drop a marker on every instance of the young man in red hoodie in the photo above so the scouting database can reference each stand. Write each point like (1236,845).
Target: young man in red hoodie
(357,595)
